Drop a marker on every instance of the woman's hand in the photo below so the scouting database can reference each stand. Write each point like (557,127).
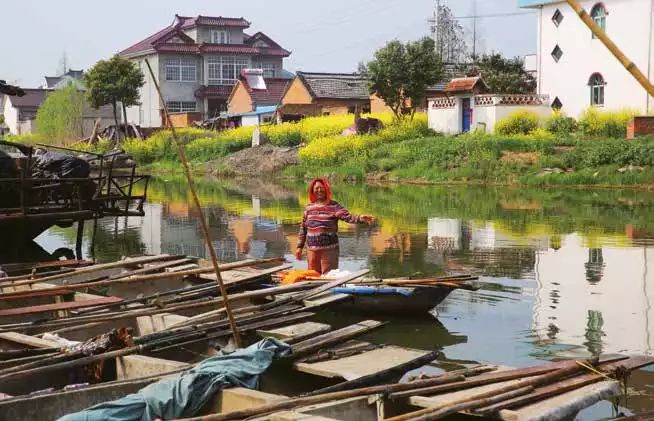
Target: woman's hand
(367,219)
(298,253)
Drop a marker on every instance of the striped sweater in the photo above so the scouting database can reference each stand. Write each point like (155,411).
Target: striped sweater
(320,225)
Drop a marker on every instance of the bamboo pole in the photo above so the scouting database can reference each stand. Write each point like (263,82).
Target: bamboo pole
(203,222)
(326,397)
(103,318)
(480,400)
(18,281)
(612,47)
(142,278)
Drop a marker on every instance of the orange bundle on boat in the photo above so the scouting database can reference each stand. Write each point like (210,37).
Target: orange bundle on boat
(293,276)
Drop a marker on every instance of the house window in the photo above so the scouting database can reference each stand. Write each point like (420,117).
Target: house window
(219,37)
(269,70)
(598,13)
(557,18)
(225,70)
(557,53)
(181,106)
(181,70)
(557,104)
(596,84)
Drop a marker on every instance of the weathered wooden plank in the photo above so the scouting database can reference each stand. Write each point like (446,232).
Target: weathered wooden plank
(367,363)
(565,405)
(294,331)
(66,305)
(341,335)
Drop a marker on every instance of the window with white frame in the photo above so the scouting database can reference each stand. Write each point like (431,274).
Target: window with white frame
(181,106)
(598,13)
(225,70)
(269,70)
(181,70)
(219,37)
(596,84)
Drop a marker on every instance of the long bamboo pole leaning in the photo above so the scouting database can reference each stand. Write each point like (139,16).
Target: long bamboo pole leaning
(203,223)
(612,47)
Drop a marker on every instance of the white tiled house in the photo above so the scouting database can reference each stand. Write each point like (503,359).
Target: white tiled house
(577,71)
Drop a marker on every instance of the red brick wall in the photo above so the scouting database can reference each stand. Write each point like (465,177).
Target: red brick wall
(640,126)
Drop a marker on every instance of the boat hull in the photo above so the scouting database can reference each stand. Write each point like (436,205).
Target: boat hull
(396,301)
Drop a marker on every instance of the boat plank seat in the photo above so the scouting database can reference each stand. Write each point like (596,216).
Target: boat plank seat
(295,331)
(243,275)
(67,305)
(363,364)
(35,293)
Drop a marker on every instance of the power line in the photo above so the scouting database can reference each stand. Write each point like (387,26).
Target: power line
(495,15)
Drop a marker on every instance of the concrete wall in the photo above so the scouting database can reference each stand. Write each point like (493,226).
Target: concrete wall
(204,34)
(11,117)
(445,114)
(147,114)
(628,24)
(445,120)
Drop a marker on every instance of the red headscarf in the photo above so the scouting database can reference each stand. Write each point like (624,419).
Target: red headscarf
(325,183)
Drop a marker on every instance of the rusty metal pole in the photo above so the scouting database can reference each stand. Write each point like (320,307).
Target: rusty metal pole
(601,35)
(203,223)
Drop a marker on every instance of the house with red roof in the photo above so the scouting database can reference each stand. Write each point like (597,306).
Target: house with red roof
(256,102)
(197,61)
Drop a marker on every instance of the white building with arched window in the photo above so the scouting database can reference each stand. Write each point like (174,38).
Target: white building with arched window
(577,71)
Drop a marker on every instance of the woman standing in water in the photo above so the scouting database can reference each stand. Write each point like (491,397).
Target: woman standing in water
(320,227)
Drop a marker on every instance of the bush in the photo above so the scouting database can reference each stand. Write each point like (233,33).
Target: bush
(518,122)
(599,123)
(330,150)
(560,125)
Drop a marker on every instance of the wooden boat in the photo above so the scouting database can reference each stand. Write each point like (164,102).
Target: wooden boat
(394,300)
(399,297)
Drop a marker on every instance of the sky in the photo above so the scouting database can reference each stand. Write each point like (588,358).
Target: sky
(332,36)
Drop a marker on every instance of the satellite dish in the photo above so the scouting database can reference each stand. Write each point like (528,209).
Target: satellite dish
(254,78)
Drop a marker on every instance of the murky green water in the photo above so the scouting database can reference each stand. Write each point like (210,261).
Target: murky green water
(567,272)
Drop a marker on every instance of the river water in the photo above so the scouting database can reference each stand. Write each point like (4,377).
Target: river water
(567,273)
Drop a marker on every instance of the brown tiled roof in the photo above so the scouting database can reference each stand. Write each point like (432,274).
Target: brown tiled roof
(33,98)
(272,95)
(159,41)
(216,21)
(335,85)
(214,91)
(463,84)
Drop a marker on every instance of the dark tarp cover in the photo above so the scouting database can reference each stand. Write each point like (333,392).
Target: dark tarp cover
(184,395)
(57,165)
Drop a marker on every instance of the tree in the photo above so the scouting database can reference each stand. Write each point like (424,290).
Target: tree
(450,37)
(504,75)
(112,81)
(400,73)
(61,115)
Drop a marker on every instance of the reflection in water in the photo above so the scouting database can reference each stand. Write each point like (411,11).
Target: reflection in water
(566,271)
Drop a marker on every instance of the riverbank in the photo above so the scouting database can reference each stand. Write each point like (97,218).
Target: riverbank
(481,160)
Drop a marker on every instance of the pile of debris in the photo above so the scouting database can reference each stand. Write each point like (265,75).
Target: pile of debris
(115,133)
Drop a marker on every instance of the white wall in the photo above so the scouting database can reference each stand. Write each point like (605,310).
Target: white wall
(484,117)
(147,113)
(628,24)
(11,116)
(445,120)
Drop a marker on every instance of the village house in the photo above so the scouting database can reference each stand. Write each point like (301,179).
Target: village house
(576,70)
(316,94)
(467,105)
(197,61)
(256,103)
(20,112)
(75,77)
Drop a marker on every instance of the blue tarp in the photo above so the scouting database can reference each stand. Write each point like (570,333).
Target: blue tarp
(185,394)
